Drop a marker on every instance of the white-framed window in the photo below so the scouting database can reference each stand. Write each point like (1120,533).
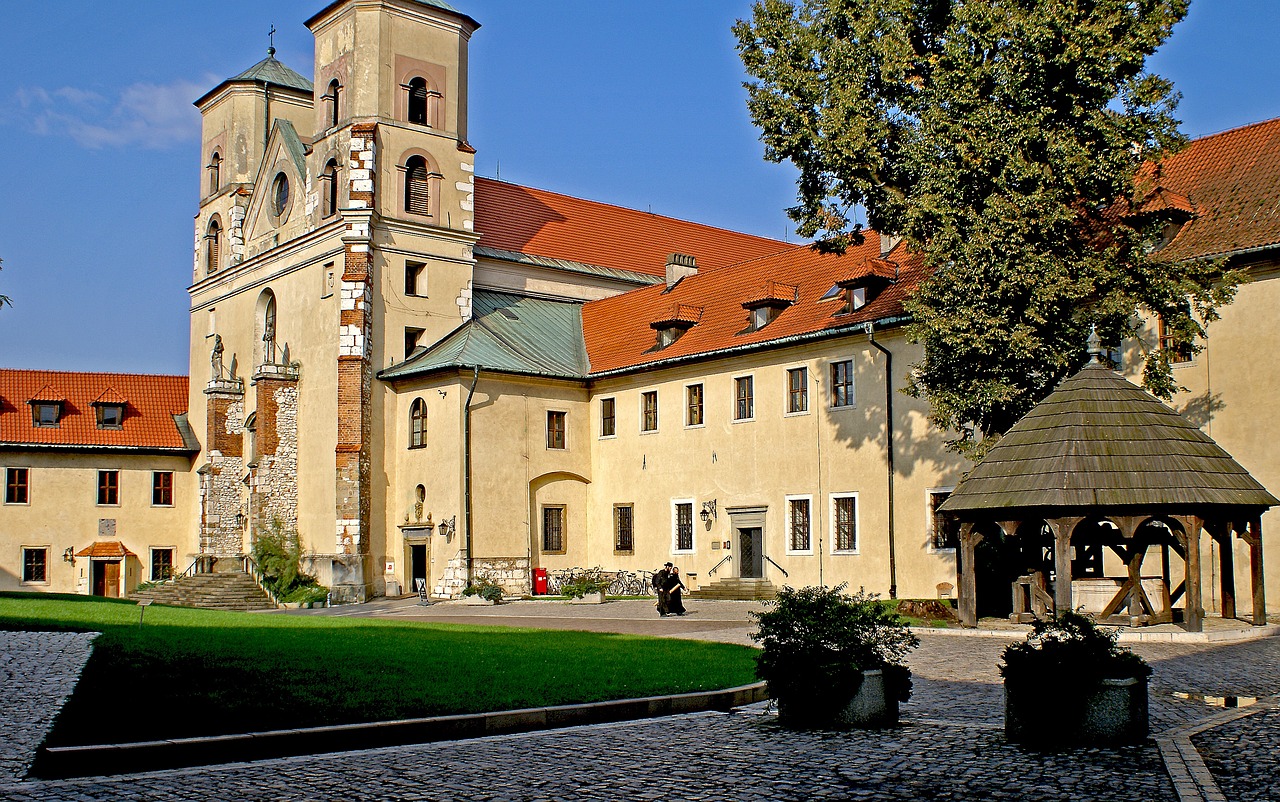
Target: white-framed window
(744,398)
(35,565)
(161,563)
(694,407)
(108,488)
(624,529)
(553,529)
(608,417)
(162,488)
(799,524)
(797,391)
(682,526)
(557,429)
(17,485)
(842,384)
(649,411)
(844,523)
(943,534)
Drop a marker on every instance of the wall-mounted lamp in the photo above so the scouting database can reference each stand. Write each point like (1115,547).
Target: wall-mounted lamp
(240,519)
(708,513)
(448,526)
(69,555)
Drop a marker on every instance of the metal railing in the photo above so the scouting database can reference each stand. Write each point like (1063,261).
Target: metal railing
(251,568)
(775,565)
(727,558)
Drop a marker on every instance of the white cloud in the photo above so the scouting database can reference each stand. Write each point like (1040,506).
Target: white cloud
(146,115)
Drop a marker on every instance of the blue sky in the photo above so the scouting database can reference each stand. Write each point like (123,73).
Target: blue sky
(638,104)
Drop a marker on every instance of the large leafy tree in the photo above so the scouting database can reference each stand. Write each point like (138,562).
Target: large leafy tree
(1001,138)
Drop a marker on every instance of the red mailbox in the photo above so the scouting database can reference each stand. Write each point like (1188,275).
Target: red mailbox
(539,581)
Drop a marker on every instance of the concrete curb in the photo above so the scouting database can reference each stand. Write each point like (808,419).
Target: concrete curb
(105,759)
(1126,636)
(1191,777)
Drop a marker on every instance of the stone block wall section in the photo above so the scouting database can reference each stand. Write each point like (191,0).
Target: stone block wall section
(351,580)
(512,573)
(274,480)
(221,533)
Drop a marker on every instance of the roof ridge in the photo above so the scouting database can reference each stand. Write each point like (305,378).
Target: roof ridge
(1255,124)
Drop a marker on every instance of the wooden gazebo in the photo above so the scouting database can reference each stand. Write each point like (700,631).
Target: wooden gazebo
(1086,484)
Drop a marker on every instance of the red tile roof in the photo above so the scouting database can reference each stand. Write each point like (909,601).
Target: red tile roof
(532,221)
(1231,181)
(772,293)
(150,401)
(617,329)
(105,548)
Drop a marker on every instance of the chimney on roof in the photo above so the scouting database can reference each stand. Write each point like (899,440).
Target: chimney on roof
(888,242)
(680,265)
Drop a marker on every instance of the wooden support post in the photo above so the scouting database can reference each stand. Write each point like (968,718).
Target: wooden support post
(1256,574)
(1227,565)
(1062,563)
(1194,610)
(1165,572)
(966,581)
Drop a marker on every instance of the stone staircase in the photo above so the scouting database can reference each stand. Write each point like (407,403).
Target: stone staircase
(737,588)
(229,590)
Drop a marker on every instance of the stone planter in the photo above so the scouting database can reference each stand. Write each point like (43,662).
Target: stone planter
(589,598)
(1112,713)
(479,601)
(874,706)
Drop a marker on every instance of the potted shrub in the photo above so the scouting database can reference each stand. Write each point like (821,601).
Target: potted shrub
(1070,683)
(482,590)
(832,660)
(586,589)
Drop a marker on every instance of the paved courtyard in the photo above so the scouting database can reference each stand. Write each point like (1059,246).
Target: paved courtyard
(950,747)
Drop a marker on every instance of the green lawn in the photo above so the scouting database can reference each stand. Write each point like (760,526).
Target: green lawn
(204,672)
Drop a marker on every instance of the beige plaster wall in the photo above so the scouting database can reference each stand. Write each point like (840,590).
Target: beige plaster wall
(63,513)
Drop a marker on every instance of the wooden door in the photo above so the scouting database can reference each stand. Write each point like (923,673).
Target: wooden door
(111,579)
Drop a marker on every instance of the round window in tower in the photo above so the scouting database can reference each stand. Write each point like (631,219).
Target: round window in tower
(280,194)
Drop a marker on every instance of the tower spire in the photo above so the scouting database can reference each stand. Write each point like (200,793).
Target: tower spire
(271,40)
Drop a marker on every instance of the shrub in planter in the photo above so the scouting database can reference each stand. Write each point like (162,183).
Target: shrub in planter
(582,585)
(817,642)
(1070,683)
(485,588)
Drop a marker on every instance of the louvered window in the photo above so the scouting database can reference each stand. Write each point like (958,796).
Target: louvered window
(213,247)
(418,101)
(334,99)
(417,187)
(215,173)
(329,186)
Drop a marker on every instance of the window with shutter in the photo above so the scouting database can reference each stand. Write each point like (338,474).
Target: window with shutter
(417,192)
(213,247)
(418,101)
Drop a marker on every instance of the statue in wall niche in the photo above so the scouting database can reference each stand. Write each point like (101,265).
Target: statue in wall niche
(215,359)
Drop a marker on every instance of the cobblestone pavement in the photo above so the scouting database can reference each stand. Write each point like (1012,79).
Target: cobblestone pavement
(951,747)
(38,671)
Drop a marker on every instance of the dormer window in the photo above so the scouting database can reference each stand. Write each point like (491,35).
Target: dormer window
(768,302)
(854,299)
(861,286)
(110,416)
(673,325)
(46,414)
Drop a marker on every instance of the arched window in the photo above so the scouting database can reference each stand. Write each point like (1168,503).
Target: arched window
(212,246)
(418,101)
(329,189)
(418,424)
(280,194)
(334,98)
(269,329)
(417,186)
(215,172)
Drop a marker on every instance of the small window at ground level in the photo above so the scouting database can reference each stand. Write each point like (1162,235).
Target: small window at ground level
(553,529)
(35,565)
(162,488)
(161,564)
(684,526)
(555,429)
(844,523)
(109,487)
(798,524)
(16,485)
(622,532)
(608,417)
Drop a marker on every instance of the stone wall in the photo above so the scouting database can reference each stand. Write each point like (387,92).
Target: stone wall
(274,481)
(512,573)
(221,477)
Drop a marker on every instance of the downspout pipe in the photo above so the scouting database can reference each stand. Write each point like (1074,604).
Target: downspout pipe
(888,423)
(466,459)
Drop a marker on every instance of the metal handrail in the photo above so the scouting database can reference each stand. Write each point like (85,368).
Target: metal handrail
(775,565)
(251,568)
(193,569)
(727,558)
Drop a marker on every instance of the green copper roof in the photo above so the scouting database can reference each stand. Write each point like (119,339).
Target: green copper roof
(293,146)
(508,334)
(1100,441)
(271,71)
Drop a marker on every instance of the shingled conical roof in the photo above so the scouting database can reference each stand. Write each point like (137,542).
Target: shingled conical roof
(1100,441)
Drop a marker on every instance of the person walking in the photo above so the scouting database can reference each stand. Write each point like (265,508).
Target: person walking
(660,578)
(675,605)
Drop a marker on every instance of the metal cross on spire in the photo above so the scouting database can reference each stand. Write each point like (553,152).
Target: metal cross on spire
(271,40)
